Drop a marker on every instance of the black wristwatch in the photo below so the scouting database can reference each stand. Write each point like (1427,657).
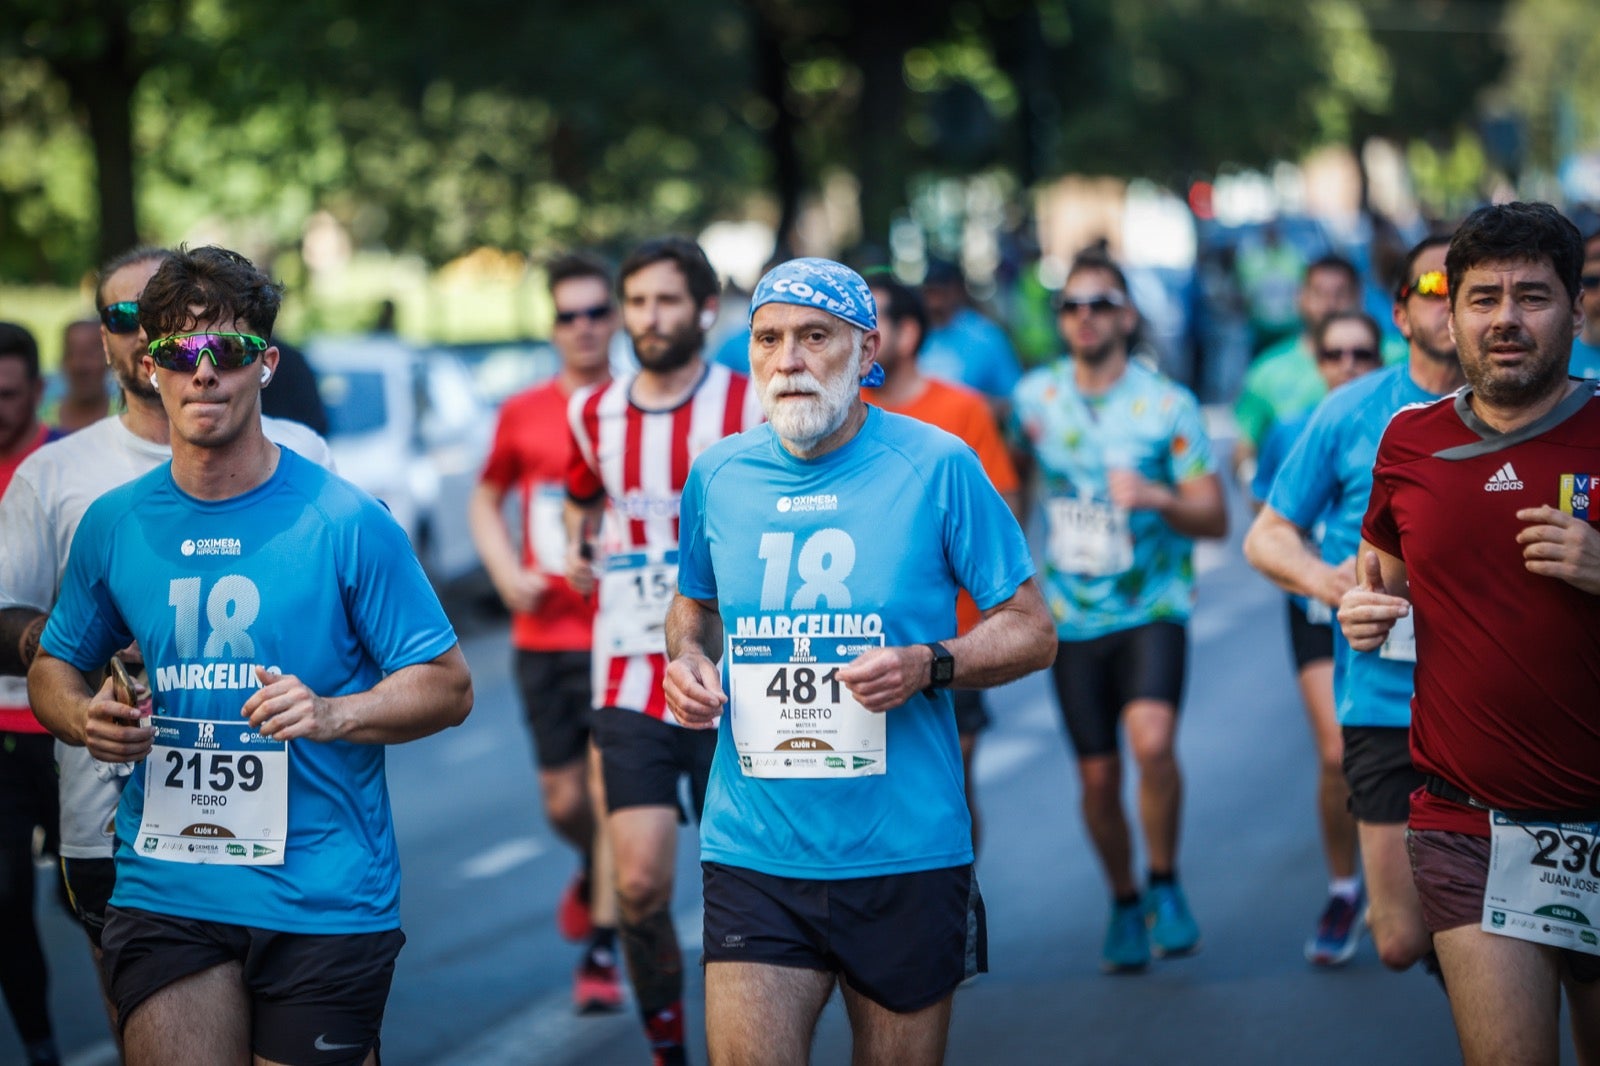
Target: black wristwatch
(944,667)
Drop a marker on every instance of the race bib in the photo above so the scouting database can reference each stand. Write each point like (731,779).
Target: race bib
(1318,613)
(793,717)
(1544,882)
(547,528)
(636,589)
(215,792)
(1088,537)
(1402,642)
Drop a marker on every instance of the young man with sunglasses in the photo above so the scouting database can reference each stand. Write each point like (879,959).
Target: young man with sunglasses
(1484,528)
(38,519)
(290,634)
(1327,478)
(551,624)
(1127,481)
(1586,345)
(1346,344)
(632,441)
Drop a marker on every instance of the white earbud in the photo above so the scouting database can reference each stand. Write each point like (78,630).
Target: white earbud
(154,384)
(266,375)
(708,318)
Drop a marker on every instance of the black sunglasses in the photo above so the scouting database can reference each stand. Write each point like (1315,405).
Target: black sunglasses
(593,314)
(1590,281)
(1066,305)
(1360,355)
(121,317)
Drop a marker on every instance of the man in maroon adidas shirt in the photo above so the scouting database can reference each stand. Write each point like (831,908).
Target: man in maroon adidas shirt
(1483,520)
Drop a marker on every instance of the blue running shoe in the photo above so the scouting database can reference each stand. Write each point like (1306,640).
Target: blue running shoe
(1127,947)
(1172,928)
(1338,932)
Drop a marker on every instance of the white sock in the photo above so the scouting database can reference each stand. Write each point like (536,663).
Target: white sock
(1348,887)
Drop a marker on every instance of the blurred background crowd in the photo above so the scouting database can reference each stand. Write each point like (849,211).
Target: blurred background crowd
(407,169)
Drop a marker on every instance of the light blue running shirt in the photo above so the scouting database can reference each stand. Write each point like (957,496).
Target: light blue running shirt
(1328,475)
(1144,422)
(305,574)
(875,536)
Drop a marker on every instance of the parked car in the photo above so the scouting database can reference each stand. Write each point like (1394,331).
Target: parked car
(409,427)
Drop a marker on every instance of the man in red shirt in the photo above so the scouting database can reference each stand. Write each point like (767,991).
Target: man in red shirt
(550,621)
(1482,522)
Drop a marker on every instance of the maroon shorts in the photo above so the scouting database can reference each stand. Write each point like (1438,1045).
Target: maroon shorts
(1450,870)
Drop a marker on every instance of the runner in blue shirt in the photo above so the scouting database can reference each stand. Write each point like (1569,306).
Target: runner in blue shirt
(820,559)
(1328,473)
(1345,345)
(289,634)
(1127,479)
(1585,362)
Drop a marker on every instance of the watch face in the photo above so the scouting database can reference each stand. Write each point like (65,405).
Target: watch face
(944,667)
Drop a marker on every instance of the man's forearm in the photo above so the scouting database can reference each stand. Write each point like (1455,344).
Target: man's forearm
(413,702)
(1277,548)
(20,628)
(59,694)
(1011,641)
(693,626)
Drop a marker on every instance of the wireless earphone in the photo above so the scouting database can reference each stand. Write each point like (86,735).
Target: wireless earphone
(708,318)
(154,384)
(266,375)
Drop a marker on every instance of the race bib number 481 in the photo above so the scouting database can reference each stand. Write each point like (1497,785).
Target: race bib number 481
(214,792)
(793,717)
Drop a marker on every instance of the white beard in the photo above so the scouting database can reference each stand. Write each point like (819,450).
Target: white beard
(802,424)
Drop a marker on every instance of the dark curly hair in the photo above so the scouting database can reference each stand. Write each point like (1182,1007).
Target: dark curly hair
(690,259)
(225,285)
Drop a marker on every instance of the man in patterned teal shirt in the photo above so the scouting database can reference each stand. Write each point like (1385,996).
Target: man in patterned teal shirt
(1126,479)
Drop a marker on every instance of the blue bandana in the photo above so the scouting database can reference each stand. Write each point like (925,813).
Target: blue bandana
(833,287)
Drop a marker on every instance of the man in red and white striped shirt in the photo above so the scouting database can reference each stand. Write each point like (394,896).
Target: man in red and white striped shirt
(632,442)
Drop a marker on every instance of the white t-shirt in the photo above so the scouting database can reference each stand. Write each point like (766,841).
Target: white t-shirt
(39,515)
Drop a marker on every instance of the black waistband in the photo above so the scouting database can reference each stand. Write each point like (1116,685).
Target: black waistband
(1438,786)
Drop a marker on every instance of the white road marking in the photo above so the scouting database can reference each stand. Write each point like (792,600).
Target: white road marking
(504,856)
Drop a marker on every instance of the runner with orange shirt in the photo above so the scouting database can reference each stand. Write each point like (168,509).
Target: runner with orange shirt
(903,321)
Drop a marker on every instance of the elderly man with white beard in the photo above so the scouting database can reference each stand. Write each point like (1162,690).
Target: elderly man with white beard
(820,558)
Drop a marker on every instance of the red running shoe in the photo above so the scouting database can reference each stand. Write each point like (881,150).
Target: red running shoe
(597,989)
(572,913)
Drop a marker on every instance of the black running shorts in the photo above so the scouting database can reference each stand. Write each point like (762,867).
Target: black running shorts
(556,693)
(314,999)
(1377,767)
(1310,641)
(905,941)
(89,883)
(642,759)
(971,716)
(1095,679)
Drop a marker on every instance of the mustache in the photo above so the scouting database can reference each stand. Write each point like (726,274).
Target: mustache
(803,382)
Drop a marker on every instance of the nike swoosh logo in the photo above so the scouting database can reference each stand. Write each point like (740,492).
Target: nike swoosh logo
(321,1044)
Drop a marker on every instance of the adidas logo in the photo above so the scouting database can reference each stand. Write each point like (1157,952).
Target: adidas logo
(1504,480)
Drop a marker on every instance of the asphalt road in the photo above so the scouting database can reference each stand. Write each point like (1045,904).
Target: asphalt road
(485,980)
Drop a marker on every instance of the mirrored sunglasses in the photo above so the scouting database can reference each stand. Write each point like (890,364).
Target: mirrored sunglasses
(121,317)
(228,351)
(1433,283)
